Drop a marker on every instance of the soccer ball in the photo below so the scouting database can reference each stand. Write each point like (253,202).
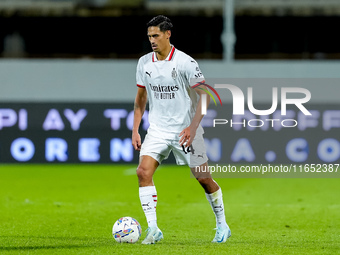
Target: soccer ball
(126,230)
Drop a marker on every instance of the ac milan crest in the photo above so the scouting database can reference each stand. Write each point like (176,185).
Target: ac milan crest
(174,74)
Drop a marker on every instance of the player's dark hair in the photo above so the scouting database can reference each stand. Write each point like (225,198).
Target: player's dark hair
(164,23)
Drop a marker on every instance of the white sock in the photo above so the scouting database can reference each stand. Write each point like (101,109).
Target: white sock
(216,201)
(148,199)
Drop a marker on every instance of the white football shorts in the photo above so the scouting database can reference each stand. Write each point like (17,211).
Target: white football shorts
(160,148)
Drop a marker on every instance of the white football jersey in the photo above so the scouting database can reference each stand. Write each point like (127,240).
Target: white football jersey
(172,101)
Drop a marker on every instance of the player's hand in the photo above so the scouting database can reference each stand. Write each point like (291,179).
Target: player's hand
(187,136)
(136,141)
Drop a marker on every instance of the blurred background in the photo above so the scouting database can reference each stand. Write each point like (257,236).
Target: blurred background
(68,67)
(115,29)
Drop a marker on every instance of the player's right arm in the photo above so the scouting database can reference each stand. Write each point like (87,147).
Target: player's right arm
(139,108)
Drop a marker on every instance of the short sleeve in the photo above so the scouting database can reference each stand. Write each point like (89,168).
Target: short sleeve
(193,72)
(139,74)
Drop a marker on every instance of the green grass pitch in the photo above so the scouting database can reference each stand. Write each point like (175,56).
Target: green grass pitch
(70,209)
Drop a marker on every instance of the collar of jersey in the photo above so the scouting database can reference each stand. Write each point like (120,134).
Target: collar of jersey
(168,58)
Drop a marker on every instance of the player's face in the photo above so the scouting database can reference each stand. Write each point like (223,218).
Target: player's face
(159,40)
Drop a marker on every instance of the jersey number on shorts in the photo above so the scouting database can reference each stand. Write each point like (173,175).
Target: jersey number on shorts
(188,149)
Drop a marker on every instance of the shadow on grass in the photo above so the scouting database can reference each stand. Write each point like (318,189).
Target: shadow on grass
(36,247)
(53,242)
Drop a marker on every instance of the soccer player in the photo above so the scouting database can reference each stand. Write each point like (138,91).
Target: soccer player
(165,77)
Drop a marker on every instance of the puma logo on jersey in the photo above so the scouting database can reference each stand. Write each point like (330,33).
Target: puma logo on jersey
(148,74)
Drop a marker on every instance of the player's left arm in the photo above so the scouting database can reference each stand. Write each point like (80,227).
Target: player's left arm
(188,134)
